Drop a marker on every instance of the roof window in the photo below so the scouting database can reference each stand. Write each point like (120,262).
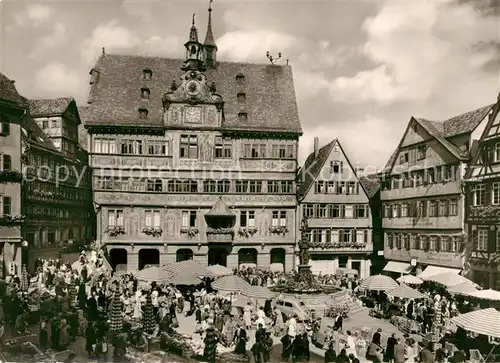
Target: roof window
(143,113)
(145,93)
(242,97)
(147,74)
(243,116)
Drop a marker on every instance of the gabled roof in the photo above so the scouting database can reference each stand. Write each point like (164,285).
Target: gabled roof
(308,174)
(311,169)
(34,135)
(115,95)
(371,184)
(443,130)
(49,107)
(466,122)
(8,92)
(477,154)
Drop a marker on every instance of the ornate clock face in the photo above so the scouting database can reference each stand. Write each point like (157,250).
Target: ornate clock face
(193,115)
(193,88)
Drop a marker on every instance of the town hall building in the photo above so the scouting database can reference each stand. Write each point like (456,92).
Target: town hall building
(193,159)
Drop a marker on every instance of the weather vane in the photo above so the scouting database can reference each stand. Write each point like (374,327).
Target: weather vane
(272,59)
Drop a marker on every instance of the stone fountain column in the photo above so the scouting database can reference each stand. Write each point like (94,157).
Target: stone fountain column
(305,274)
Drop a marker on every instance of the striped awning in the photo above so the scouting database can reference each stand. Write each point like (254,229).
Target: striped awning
(378,283)
(152,274)
(399,267)
(188,268)
(485,322)
(258,292)
(231,283)
(489,294)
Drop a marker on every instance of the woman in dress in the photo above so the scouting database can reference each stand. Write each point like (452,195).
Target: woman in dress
(137,314)
(210,341)
(278,322)
(247,315)
(241,341)
(127,303)
(63,334)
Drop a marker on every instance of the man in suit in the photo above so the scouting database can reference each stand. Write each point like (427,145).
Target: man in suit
(389,351)
(399,351)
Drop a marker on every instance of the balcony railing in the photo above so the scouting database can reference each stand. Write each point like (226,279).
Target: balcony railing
(220,235)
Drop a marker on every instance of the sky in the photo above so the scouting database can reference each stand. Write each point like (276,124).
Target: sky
(361,68)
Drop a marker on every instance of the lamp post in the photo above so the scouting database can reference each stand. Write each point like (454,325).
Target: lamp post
(24,253)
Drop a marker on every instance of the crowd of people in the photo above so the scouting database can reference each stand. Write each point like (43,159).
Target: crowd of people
(71,303)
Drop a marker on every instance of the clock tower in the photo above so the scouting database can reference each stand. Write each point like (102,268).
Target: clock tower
(194,51)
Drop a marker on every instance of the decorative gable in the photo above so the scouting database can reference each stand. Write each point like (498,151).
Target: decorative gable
(335,180)
(414,134)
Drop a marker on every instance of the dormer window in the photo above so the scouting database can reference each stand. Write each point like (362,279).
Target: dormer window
(240,78)
(147,74)
(242,116)
(143,113)
(94,76)
(145,92)
(242,97)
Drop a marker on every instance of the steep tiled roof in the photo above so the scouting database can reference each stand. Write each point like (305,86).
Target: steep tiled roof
(388,166)
(220,209)
(371,184)
(435,129)
(115,93)
(8,92)
(33,134)
(312,167)
(49,107)
(466,122)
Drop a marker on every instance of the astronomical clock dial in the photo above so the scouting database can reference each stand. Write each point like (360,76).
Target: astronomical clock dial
(193,88)
(193,115)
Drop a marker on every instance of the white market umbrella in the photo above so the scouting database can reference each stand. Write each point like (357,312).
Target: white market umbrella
(450,279)
(486,294)
(219,270)
(464,288)
(406,292)
(410,280)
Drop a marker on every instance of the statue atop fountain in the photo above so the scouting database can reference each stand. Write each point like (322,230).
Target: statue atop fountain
(305,274)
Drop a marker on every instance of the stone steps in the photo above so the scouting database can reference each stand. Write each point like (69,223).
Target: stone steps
(355,308)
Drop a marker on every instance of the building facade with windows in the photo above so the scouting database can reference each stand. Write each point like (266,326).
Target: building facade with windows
(193,159)
(12,110)
(57,192)
(337,209)
(421,193)
(483,206)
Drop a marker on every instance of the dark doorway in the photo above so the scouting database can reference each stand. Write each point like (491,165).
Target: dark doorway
(118,257)
(247,256)
(356,265)
(217,256)
(184,254)
(149,257)
(278,258)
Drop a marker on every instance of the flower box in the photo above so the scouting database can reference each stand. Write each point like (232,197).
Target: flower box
(337,245)
(152,231)
(247,232)
(114,231)
(220,230)
(10,176)
(190,231)
(279,230)
(10,220)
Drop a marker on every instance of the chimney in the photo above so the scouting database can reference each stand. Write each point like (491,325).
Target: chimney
(316,147)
